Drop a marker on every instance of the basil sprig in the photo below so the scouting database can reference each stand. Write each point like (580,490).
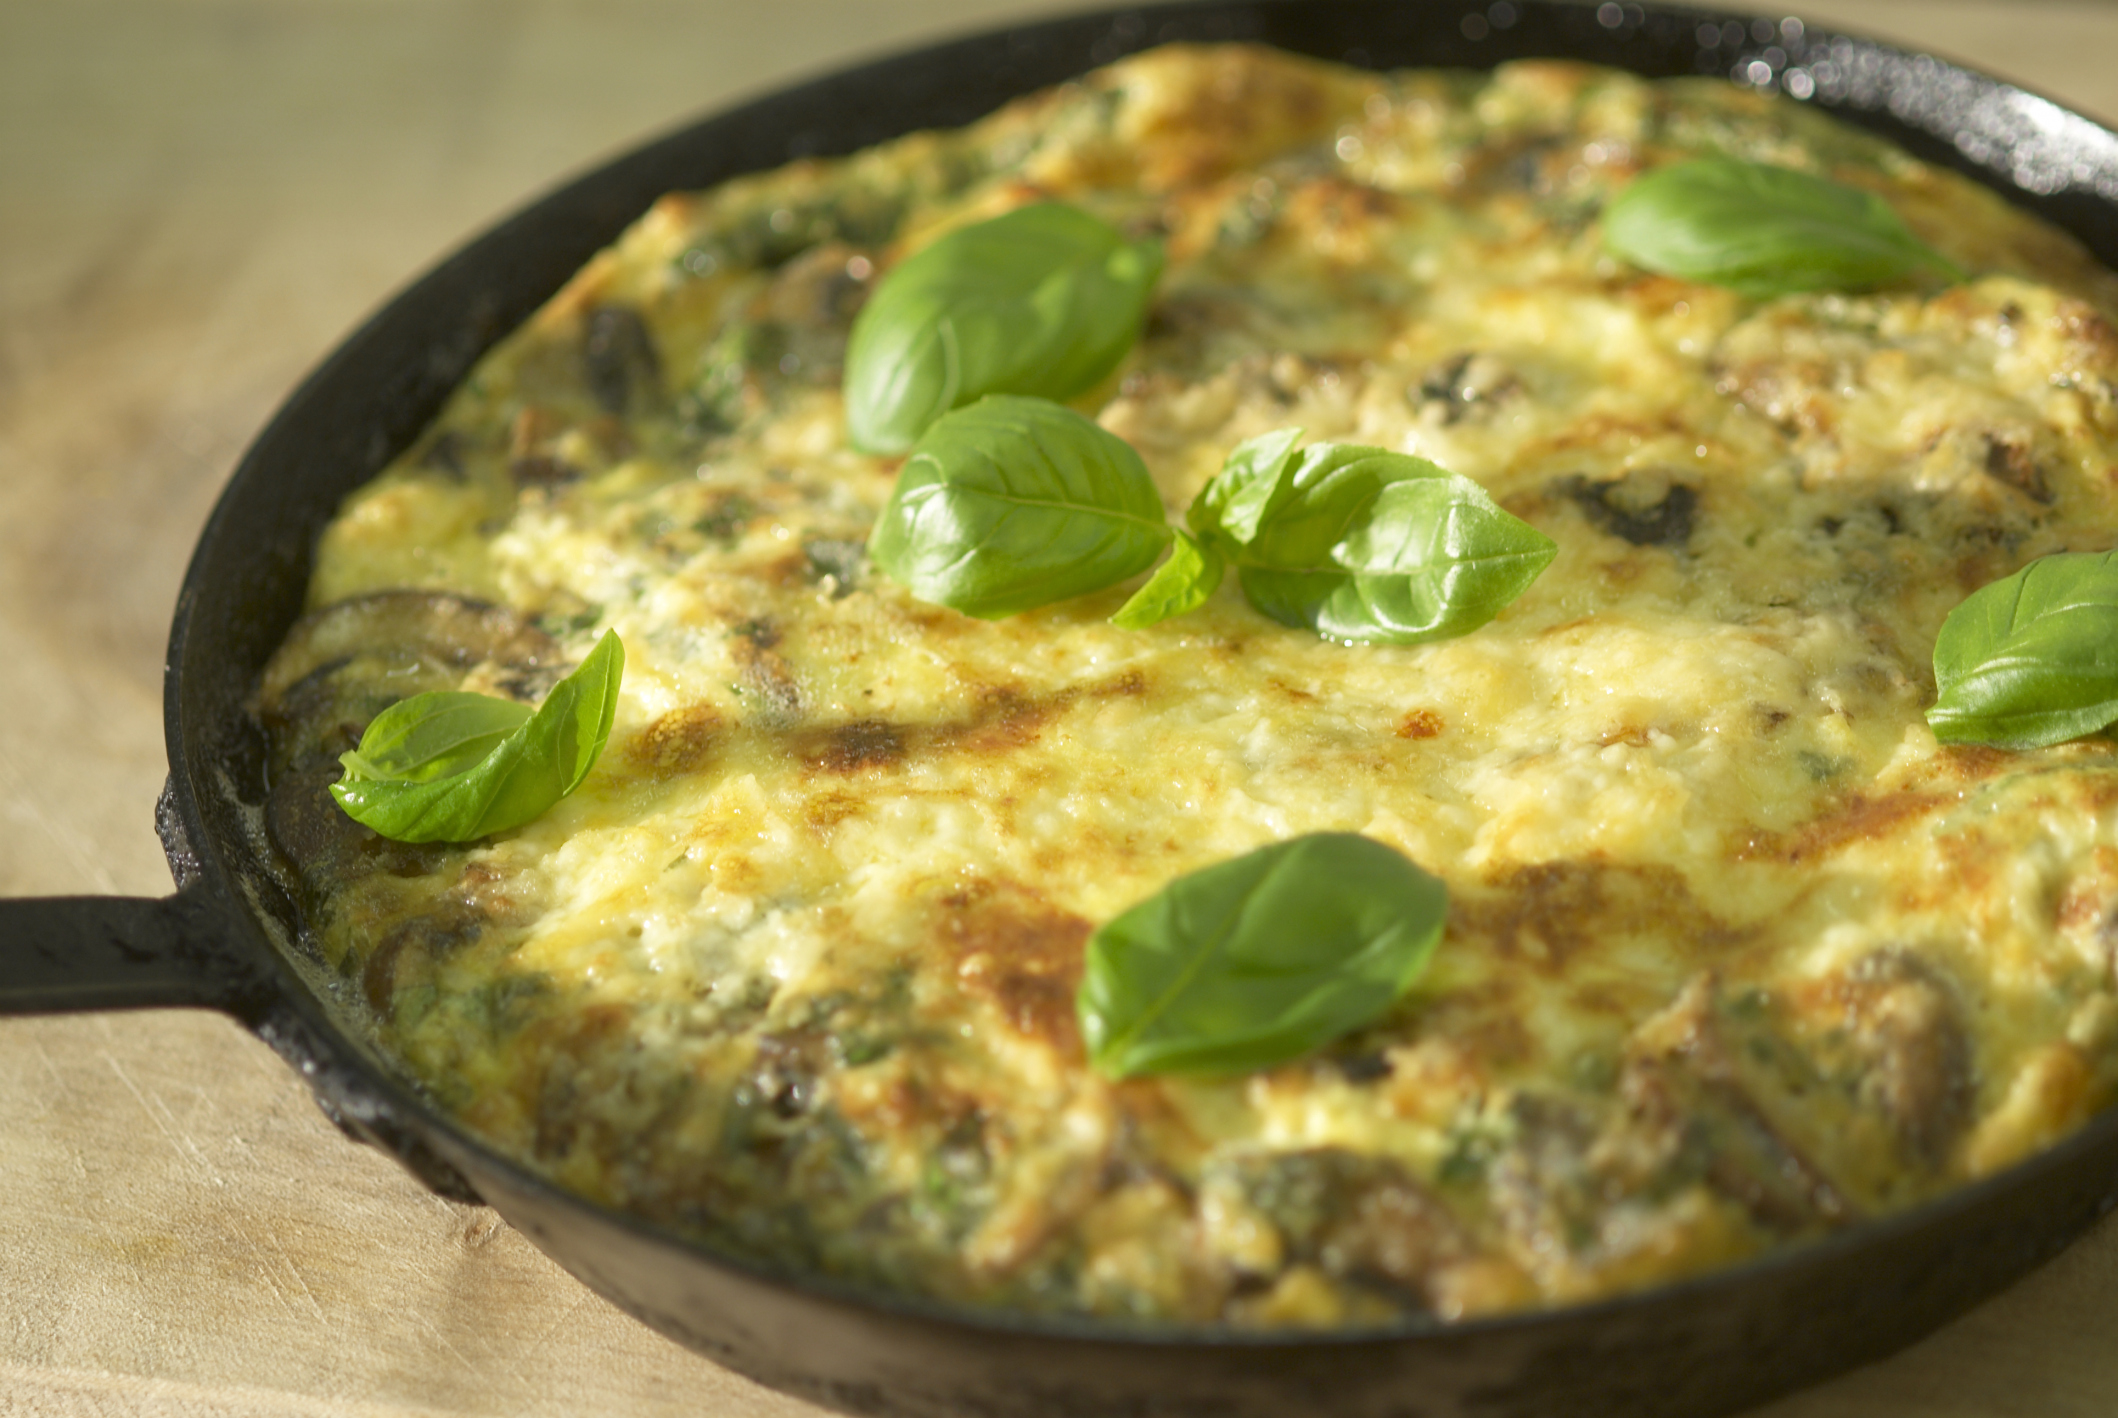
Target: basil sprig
(1362,544)
(1014,503)
(454,767)
(2031,659)
(1044,300)
(1258,960)
(1763,231)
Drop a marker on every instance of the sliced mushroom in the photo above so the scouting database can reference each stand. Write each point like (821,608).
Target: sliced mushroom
(1714,1086)
(2014,462)
(1544,1190)
(1646,509)
(1358,1218)
(400,635)
(618,356)
(1912,1052)
(1465,385)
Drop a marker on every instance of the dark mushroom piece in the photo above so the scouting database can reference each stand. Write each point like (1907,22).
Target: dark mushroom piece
(399,632)
(618,356)
(1717,1083)
(1466,385)
(1360,1219)
(1644,510)
(1914,1056)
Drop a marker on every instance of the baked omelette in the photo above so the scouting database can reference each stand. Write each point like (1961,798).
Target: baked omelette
(1736,953)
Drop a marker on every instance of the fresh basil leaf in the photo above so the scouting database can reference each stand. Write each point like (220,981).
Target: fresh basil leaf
(1362,544)
(1258,960)
(1179,584)
(2031,659)
(419,774)
(1015,503)
(433,735)
(1763,231)
(1044,300)
(1242,494)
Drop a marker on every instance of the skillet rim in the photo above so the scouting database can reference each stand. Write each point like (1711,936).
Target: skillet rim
(364,1090)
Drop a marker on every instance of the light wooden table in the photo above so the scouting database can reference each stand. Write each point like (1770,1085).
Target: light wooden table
(197,197)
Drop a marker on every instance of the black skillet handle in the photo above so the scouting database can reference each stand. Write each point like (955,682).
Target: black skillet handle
(66,954)
(62,954)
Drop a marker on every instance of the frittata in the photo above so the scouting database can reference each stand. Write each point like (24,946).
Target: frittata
(1737,954)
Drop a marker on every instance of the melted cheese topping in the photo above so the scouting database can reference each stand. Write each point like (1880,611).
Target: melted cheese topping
(1737,953)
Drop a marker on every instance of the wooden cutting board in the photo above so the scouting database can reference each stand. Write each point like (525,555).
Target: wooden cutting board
(197,198)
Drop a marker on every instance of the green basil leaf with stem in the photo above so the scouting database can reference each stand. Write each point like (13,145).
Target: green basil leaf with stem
(436,768)
(1179,584)
(1242,494)
(434,735)
(1014,503)
(1044,301)
(1763,231)
(2031,659)
(1258,960)
(1365,545)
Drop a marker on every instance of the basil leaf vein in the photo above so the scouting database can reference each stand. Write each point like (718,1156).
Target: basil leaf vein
(1044,300)
(1258,960)
(2031,659)
(454,767)
(1013,503)
(1365,545)
(1763,231)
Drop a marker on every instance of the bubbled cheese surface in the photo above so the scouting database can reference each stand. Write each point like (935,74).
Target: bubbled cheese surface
(1737,954)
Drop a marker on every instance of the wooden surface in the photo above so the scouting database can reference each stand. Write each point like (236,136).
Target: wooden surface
(197,197)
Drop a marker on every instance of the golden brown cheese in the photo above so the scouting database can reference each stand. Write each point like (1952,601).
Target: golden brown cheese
(1737,955)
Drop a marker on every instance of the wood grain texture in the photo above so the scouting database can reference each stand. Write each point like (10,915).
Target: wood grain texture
(197,198)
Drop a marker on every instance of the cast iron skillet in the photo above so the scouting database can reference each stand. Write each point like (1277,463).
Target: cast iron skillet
(229,938)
